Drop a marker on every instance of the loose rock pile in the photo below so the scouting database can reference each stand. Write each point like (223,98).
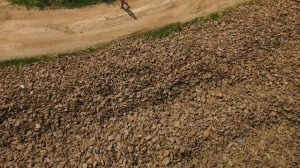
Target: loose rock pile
(220,94)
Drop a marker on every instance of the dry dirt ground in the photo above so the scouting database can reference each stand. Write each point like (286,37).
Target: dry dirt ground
(30,33)
(221,94)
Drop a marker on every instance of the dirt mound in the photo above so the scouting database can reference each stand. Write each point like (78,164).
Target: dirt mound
(221,94)
(31,33)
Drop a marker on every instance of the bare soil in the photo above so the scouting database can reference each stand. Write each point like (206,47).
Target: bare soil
(34,32)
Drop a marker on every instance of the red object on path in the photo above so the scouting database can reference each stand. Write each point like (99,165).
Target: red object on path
(122,4)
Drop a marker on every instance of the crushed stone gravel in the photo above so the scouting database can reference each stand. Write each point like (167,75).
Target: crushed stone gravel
(221,94)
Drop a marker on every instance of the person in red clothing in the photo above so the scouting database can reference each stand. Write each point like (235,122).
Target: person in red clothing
(124,3)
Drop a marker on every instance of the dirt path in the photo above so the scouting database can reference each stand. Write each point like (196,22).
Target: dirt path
(30,33)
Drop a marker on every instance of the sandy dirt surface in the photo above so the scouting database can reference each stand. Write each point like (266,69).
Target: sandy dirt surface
(33,32)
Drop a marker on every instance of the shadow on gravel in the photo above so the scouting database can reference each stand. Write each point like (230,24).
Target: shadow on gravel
(130,13)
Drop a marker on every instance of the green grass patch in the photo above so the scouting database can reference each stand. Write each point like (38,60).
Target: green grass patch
(22,61)
(88,50)
(254,2)
(167,30)
(31,60)
(164,31)
(58,3)
(212,17)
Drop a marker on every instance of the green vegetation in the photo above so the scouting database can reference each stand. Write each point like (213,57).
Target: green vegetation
(58,3)
(166,30)
(30,60)
(21,61)
(253,2)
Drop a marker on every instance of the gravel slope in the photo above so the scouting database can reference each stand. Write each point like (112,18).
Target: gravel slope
(223,94)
